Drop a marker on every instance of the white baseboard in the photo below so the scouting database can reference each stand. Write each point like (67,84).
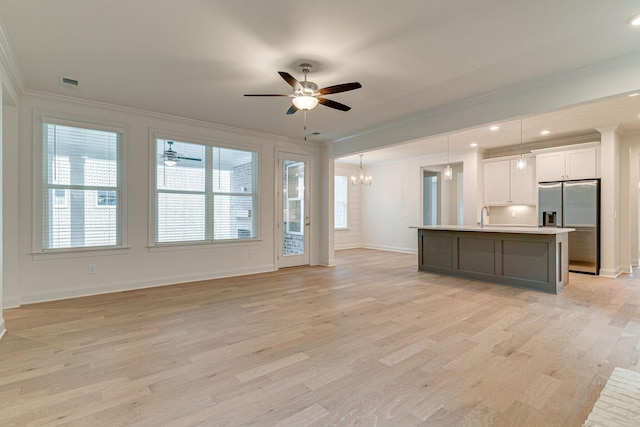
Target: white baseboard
(349,246)
(611,273)
(634,262)
(129,286)
(392,249)
(10,303)
(626,269)
(326,262)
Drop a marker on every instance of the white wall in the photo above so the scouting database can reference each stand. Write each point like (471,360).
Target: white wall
(392,204)
(629,178)
(8,127)
(43,278)
(350,237)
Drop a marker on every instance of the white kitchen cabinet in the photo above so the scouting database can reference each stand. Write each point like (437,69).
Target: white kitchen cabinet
(565,165)
(505,185)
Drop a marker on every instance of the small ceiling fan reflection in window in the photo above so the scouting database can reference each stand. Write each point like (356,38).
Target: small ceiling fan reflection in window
(171,157)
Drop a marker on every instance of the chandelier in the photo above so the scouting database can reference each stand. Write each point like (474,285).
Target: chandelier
(361,179)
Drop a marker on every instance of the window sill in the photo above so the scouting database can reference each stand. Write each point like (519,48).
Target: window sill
(342,229)
(169,247)
(79,253)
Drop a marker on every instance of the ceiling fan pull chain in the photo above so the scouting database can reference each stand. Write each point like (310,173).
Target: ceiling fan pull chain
(305,124)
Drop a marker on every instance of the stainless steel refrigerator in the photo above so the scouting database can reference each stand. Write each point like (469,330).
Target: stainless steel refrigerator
(574,204)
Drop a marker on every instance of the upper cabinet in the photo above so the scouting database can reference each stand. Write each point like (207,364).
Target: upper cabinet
(564,165)
(505,185)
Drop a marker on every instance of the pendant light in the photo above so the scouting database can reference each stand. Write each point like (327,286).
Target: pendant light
(361,179)
(448,171)
(521,165)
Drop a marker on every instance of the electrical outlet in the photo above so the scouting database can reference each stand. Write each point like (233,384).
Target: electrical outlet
(513,214)
(91,269)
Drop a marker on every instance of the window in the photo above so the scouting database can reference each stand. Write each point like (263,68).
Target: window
(79,165)
(294,190)
(204,193)
(60,199)
(340,206)
(106,198)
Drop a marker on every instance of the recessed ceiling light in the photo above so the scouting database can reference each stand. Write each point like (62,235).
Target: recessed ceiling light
(634,21)
(633,94)
(494,127)
(473,144)
(545,132)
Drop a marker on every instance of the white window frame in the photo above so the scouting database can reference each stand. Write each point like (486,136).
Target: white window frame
(153,246)
(346,203)
(40,117)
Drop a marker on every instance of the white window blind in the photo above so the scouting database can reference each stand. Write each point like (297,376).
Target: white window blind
(80,165)
(340,206)
(210,194)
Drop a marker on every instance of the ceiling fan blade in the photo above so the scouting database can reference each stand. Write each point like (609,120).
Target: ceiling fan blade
(291,80)
(292,109)
(340,88)
(333,104)
(265,94)
(188,158)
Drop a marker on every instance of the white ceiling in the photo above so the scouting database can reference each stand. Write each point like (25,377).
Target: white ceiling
(196,58)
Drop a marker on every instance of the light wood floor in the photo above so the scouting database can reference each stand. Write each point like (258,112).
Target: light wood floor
(369,342)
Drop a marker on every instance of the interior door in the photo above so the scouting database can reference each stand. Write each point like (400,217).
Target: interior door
(294,222)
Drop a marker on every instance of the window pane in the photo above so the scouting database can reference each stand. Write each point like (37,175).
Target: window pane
(233,171)
(80,156)
(180,217)
(188,173)
(233,217)
(295,180)
(340,202)
(80,223)
(106,198)
(86,158)
(294,216)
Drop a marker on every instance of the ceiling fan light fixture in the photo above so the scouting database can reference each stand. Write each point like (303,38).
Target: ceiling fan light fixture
(170,162)
(634,21)
(305,102)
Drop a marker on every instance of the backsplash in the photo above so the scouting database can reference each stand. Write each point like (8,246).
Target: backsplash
(513,215)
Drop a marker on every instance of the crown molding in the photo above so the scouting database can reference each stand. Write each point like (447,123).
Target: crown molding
(10,64)
(156,115)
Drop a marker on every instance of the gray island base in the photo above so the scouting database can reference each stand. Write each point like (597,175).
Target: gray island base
(523,257)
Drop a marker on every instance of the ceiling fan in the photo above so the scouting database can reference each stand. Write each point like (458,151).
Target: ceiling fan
(171,157)
(306,94)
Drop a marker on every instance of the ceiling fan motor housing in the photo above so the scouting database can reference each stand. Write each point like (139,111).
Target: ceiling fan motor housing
(307,89)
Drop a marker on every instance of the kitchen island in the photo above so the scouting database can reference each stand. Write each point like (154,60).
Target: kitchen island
(524,257)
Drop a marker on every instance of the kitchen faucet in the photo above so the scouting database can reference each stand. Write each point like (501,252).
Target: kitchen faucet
(482,215)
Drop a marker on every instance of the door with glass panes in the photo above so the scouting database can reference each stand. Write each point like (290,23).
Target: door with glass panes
(294,221)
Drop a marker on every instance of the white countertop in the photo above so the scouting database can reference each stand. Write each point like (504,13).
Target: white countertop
(497,229)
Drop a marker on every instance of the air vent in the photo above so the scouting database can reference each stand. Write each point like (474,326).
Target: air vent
(70,83)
